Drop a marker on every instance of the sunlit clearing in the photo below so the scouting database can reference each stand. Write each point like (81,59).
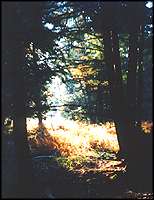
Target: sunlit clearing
(76,138)
(31,124)
(82,147)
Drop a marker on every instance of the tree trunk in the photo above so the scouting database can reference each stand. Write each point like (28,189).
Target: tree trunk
(135,167)
(120,108)
(131,79)
(140,78)
(25,180)
(124,110)
(100,99)
(112,59)
(131,94)
(24,165)
(99,107)
(40,123)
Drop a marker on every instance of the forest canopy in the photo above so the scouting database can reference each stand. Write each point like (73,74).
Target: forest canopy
(83,70)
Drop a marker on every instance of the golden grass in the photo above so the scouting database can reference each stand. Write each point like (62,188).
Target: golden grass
(78,142)
(75,138)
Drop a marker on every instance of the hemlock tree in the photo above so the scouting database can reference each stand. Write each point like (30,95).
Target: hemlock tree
(14,42)
(20,28)
(39,73)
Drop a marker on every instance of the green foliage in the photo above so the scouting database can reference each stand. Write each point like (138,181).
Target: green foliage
(65,162)
(107,155)
(38,55)
(74,41)
(77,162)
(71,163)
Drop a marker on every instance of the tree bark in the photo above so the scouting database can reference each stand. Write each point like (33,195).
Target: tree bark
(120,101)
(140,77)
(25,180)
(131,79)
(124,109)
(132,94)
(112,59)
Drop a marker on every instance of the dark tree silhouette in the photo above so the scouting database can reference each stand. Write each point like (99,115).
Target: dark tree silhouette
(18,32)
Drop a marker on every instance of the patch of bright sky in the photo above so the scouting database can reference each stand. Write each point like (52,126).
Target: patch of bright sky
(149,4)
(49,26)
(60,3)
(88,19)
(70,22)
(75,43)
(61,43)
(59,91)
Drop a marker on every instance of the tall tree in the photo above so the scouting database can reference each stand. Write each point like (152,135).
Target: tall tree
(38,74)
(125,114)
(140,63)
(16,50)
(15,41)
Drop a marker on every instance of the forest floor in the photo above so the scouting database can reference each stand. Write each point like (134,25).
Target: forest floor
(77,161)
(55,181)
(61,183)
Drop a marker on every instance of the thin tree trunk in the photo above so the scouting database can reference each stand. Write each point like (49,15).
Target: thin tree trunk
(99,99)
(40,123)
(99,108)
(140,77)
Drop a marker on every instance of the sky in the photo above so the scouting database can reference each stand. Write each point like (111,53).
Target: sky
(149,4)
